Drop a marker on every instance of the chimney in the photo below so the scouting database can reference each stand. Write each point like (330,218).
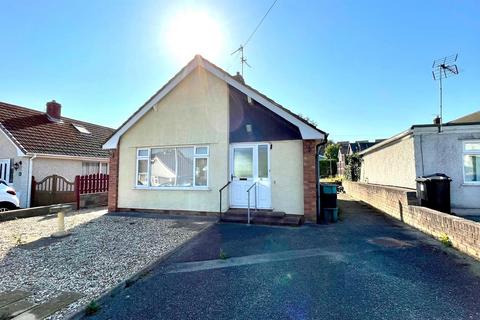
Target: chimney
(54,110)
(239,78)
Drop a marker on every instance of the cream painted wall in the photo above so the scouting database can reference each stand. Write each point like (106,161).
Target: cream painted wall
(393,165)
(44,167)
(286,169)
(195,112)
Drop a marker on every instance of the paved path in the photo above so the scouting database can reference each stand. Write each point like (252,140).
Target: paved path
(367,266)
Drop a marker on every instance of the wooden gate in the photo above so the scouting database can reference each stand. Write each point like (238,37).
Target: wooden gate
(52,190)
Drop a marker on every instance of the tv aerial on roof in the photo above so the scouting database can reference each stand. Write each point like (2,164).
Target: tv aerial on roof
(442,69)
(243,59)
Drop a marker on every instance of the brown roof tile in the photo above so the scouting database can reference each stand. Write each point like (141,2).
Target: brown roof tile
(469,118)
(34,132)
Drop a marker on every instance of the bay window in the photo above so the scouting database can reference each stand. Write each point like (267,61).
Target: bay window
(172,167)
(471,162)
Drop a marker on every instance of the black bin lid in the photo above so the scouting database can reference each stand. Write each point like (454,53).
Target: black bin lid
(435,176)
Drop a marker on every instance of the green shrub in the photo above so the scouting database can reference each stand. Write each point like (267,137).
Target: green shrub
(223,255)
(353,167)
(92,308)
(445,240)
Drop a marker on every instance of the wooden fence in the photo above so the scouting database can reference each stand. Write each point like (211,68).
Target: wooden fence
(56,189)
(92,183)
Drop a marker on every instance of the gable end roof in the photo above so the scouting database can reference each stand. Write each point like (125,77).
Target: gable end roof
(307,130)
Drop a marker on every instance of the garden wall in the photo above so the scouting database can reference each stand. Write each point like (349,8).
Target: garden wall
(401,204)
(86,201)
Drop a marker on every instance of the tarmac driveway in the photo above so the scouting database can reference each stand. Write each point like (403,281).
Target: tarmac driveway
(364,267)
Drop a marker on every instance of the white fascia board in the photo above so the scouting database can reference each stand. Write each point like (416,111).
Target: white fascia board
(306,131)
(112,143)
(386,142)
(447,129)
(66,157)
(20,153)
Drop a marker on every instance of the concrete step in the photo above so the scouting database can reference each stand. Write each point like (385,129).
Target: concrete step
(258,213)
(43,310)
(15,308)
(285,220)
(12,296)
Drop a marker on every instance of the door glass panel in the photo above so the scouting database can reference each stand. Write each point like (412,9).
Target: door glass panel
(263,161)
(243,162)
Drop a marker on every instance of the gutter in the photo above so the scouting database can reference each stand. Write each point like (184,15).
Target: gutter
(317,173)
(66,157)
(387,142)
(30,175)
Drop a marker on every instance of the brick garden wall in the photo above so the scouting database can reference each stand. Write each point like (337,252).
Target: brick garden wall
(401,204)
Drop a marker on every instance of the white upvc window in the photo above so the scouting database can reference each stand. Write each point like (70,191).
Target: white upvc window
(471,162)
(89,167)
(180,167)
(142,167)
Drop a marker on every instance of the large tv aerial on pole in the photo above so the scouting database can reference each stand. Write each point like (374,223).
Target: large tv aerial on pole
(444,68)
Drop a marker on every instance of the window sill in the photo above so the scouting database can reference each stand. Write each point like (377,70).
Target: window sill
(471,184)
(174,188)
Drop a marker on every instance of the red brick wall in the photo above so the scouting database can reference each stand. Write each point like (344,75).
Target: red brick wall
(113,181)
(309,180)
(401,204)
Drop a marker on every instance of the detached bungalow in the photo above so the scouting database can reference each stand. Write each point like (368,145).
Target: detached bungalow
(423,150)
(206,130)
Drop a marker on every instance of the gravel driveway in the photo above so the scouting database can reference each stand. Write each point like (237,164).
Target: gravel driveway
(102,251)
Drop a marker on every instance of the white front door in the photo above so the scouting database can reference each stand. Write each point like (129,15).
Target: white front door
(5,170)
(250,163)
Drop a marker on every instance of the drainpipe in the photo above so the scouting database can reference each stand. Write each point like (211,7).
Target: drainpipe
(30,174)
(317,173)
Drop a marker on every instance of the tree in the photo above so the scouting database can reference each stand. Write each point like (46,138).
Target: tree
(331,151)
(353,167)
(311,121)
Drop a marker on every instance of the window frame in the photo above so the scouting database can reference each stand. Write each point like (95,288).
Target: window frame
(469,153)
(195,157)
(137,159)
(100,165)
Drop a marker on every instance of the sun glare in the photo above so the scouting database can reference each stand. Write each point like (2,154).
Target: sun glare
(193,32)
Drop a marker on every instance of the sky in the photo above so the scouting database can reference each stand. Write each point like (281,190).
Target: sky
(359,69)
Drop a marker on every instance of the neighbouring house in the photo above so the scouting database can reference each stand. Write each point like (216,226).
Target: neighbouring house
(206,128)
(348,148)
(424,150)
(40,144)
